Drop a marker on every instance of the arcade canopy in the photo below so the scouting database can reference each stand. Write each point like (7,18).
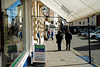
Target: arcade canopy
(74,9)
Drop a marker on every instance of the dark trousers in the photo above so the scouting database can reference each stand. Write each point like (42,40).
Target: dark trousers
(68,44)
(52,37)
(59,45)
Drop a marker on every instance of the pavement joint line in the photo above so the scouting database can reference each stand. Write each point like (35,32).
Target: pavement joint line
(77,53)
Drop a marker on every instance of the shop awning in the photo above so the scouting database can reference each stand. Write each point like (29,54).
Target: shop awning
(7,3)
(73,9)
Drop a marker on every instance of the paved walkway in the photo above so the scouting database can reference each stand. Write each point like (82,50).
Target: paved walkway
(62,58)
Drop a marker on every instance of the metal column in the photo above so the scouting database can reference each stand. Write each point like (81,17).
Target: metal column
(89,40)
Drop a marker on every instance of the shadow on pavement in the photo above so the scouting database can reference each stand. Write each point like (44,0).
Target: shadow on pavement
(36,64)
(68,65)
(54,50)
(86,48)
(84,38)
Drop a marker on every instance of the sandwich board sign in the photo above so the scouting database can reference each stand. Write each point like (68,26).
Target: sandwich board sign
(39,53)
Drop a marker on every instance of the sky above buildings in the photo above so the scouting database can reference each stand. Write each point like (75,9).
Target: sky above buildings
(12,11)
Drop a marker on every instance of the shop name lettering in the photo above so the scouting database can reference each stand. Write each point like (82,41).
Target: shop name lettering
(39,46)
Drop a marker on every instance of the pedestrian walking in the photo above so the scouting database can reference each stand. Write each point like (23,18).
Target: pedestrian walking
(20,35)
(59,38)
(9,34)
(52,33)
(48,34)
(38,35)
(68,38)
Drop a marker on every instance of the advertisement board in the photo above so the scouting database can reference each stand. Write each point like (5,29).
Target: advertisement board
(39,53)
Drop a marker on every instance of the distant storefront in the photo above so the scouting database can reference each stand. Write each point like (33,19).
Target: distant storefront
(77,29)
(82,25)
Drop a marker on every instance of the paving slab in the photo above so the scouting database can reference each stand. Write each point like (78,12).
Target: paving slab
(62,58)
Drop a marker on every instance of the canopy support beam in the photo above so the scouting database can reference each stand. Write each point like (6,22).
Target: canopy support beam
(89,41)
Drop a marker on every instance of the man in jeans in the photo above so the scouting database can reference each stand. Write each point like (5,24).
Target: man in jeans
(52,34)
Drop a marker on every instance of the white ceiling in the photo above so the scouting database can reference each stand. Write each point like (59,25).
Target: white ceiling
(73,9)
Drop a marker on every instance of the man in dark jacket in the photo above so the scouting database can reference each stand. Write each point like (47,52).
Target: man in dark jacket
(59,38)
(68,38)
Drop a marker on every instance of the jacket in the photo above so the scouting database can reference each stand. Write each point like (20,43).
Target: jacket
(59,37)
(68,36)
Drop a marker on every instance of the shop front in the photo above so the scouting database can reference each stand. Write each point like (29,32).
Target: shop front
(19,31)
(14,33)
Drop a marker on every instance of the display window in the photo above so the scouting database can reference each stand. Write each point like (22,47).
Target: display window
(14,30)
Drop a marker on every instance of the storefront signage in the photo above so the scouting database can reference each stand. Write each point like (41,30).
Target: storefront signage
(39,53)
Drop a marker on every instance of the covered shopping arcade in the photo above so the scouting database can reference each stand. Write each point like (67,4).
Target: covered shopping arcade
(30,22)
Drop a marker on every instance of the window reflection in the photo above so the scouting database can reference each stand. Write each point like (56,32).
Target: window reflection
(13,33)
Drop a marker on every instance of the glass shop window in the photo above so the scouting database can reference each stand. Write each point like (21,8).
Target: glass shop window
(79,23)
(84,23)
(13,32)
(75,23)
